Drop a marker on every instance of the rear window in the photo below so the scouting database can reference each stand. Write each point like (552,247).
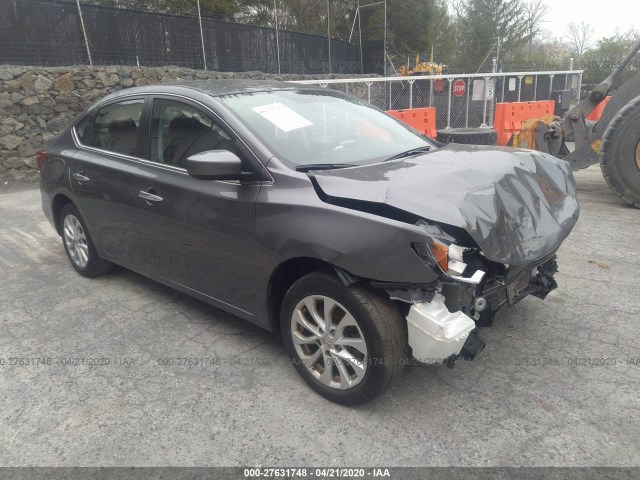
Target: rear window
(114,127)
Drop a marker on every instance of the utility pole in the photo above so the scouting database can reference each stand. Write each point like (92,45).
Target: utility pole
(360,35)
(84,32)
(204,55)
(275,12)
(384,41)
(498,55)
(384,64)
(329,36)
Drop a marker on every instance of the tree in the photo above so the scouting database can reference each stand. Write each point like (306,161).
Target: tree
(598,62)
(482,22)
(442,32)
(551,53)
(579,36)
(256,12)
(407,22)
(222,9)
(535,13)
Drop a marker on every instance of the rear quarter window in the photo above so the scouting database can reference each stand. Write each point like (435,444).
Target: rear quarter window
(114,128)
(82,129)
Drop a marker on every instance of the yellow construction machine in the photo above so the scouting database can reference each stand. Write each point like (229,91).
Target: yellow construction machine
(613,141)
(421,67)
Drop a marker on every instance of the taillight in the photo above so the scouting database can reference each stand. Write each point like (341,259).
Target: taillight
(40,156)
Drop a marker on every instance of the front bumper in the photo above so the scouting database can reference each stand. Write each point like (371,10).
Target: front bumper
(442,326)
(535,279)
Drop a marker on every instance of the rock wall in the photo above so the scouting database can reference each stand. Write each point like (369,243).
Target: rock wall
(38,103)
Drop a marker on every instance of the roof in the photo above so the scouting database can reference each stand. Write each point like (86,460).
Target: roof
(211,88)
(216,88)
(227,87)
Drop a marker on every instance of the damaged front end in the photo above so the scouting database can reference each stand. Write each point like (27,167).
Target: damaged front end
(443,321)
(493,221)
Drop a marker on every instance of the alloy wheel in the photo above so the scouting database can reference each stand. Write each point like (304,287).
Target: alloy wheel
(75,240)
(329,342)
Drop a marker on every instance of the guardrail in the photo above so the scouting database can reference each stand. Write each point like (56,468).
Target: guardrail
(461,101)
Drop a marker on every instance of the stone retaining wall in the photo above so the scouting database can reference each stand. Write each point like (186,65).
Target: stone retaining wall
(38,103)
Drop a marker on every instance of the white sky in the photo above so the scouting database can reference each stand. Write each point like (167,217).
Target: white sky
(603,16)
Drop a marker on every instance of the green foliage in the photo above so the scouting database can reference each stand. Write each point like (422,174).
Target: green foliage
(481,23)
(212,8)
(442,32)
(408,27)
(608,53)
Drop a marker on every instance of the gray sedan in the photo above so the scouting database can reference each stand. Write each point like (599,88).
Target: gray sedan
(310,212)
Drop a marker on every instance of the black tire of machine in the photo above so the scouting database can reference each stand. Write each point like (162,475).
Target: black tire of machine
(620,154)
(468,136)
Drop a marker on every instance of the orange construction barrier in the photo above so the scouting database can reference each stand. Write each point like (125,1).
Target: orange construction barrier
(595,115)
(422,119)
(509,116)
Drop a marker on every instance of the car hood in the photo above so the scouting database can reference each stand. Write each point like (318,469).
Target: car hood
(517,205)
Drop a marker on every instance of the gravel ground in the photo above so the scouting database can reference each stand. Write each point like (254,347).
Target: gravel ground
(535,397)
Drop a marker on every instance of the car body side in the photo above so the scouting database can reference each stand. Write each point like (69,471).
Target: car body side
(293,230)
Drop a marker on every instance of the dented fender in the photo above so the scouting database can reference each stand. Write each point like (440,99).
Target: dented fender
(301,225)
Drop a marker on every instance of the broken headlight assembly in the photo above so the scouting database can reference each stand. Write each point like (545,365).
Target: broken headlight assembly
(449,259)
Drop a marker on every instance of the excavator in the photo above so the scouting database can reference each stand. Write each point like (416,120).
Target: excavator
(613,141)
(421,68)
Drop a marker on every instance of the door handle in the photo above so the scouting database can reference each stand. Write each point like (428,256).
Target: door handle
(149,196)
(80,177)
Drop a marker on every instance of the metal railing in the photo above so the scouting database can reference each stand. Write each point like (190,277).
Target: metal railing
(461,101)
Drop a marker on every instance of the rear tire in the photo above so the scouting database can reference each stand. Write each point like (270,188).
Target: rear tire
(620,155)
(350,342)
(78,244)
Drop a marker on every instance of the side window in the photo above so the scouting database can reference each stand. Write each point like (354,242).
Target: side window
(115,127)
(83,129)
(179,130)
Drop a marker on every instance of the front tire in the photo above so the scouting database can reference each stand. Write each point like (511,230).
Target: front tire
(620,157)
(348,343)
(78,244)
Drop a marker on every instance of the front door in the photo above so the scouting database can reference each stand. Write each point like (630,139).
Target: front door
(197,233)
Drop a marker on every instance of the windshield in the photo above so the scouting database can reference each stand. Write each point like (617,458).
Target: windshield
(322,127)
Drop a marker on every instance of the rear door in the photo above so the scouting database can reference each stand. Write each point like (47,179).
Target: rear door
(102,175)
(197,233)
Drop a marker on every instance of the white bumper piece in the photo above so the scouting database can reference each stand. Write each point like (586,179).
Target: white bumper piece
(435,333)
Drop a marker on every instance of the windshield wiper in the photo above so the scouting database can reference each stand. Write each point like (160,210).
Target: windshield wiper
(408,153)
(321,166)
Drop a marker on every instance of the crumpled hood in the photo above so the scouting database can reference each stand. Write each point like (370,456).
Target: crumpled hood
(518,205)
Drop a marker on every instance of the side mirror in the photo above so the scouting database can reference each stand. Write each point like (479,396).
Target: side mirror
(215,165)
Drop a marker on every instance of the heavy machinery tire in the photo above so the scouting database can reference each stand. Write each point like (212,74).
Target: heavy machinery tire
(468,136)
(620,155)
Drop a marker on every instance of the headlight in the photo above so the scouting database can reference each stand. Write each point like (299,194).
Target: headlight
(433,253)
(449,258)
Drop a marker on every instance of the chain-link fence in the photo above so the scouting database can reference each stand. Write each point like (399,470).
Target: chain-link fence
(461,101)
(70,32)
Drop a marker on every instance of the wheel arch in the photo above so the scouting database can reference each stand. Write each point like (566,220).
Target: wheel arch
(58,203)
(281,279)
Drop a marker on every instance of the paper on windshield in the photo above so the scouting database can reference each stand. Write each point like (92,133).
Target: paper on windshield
(282,116)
